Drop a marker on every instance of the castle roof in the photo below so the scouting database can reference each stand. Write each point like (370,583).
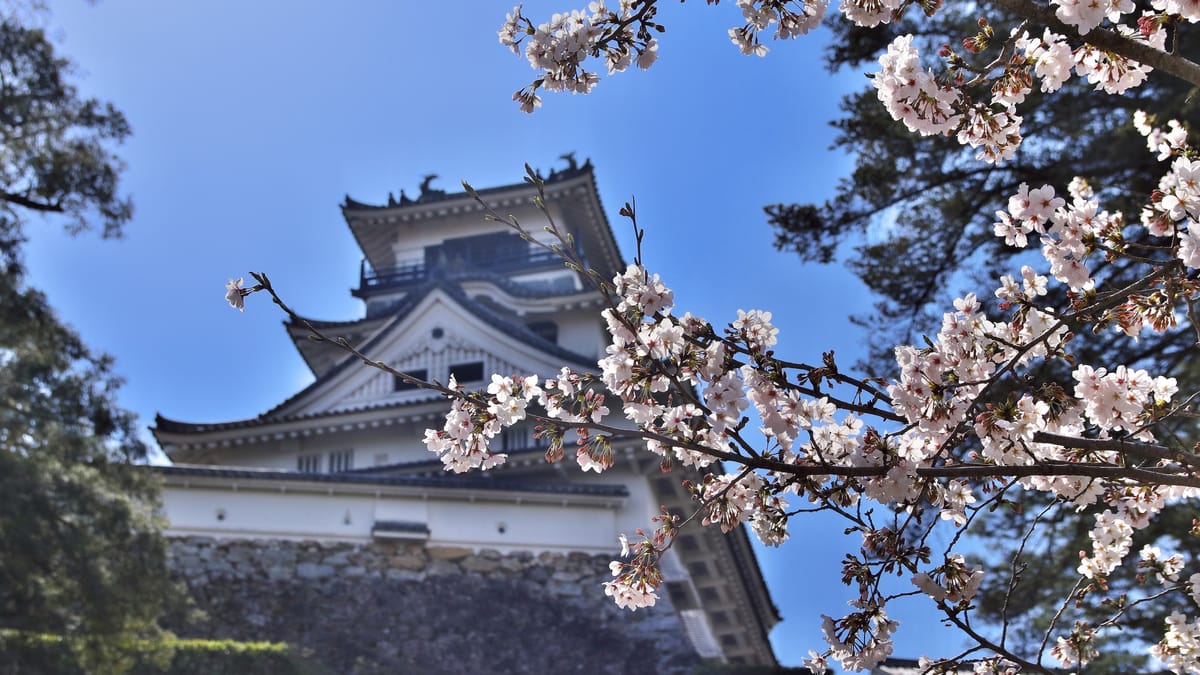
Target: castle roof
(473,481)
(325,358)
(446,293)
(372,334)
(572,190)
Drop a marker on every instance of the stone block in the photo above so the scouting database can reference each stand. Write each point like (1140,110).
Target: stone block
(565,588)
(407,562)
(442,567)
(479,564)
(313,571)
(404,575)
(339,558)
(512,564)
(448,552)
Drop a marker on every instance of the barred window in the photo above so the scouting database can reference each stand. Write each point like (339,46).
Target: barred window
(467,372)
(341,460)
(308,463)
(399,384)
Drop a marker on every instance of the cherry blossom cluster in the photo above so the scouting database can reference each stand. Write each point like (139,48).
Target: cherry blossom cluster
(690,390)
(1181,644)
(963,422)
(462,442)
(791,18)
(913,95)
(1076,648)
(636,580)
(976,102)
(560,47)
(861,639)
(929,104)
(729,501)
(952,582)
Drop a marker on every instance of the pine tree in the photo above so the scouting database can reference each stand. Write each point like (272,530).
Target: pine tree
(81,551)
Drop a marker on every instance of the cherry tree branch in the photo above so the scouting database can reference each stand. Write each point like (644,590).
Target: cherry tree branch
(1173,64)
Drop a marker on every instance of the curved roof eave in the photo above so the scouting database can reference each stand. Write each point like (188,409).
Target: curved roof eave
(365,221)
(443,482)
(411,301)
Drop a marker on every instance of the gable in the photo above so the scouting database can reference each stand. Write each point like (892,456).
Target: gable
(443,331)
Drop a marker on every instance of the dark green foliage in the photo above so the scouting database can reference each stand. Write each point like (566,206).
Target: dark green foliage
(81,554)
(41,654)
(57,146)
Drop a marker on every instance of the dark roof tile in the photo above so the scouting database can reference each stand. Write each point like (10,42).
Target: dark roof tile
(465,482)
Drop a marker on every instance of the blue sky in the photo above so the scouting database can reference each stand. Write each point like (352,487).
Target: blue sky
(252,121)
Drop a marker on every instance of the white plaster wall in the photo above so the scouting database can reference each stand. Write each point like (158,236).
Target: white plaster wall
(399,442)
(249,513)
(525,526)
(273,513)
(581,331)
(640,505)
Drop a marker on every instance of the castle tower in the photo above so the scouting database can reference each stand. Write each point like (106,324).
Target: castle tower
(327,510)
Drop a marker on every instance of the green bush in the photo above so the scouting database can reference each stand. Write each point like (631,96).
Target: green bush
(23,654)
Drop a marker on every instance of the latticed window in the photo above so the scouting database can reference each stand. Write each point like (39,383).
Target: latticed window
(341,460)
(308,463)
(401,385)
(467,372)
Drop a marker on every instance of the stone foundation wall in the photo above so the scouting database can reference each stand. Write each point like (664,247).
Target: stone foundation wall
(400,607)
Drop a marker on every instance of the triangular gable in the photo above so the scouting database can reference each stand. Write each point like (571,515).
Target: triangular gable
(442,329)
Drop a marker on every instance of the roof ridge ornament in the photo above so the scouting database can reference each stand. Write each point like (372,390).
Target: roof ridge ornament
(428,193)
(573,169)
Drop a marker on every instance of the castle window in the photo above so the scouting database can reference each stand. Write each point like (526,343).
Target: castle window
(400,385)
(341,460)
(467,372)
(545,329)
(499,251)
(681,597)
(308,463)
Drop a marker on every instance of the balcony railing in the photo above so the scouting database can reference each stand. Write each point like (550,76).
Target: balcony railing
(414,273)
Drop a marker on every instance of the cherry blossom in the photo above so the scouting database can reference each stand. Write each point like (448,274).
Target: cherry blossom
(966,419)
(235,295)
